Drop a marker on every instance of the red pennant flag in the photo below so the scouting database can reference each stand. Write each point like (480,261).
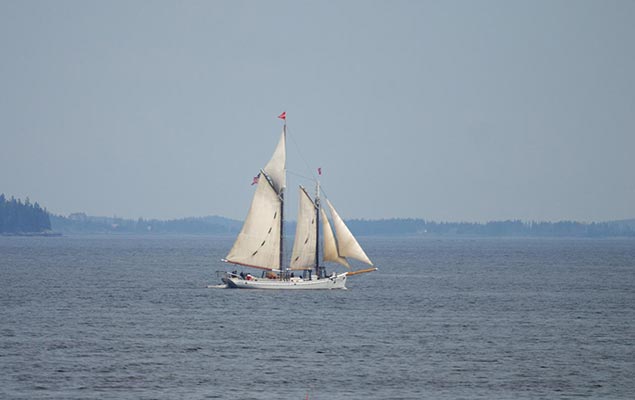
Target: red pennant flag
(283,115)
(319,171)
(255,180)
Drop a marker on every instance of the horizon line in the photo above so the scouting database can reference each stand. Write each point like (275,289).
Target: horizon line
(358,219)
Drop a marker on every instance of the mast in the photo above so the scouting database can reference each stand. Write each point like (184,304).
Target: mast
(317,228)
(281,232)
(284,134)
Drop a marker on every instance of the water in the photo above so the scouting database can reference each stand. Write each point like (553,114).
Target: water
(109,317)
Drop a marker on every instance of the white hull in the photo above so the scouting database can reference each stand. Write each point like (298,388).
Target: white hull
(333,282)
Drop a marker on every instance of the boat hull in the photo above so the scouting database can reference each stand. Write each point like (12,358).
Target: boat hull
(333,282)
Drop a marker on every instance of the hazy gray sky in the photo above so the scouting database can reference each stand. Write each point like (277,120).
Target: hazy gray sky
(445,110)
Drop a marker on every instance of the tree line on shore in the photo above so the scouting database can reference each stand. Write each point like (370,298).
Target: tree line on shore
(406,226)
(81,223)
(17,217)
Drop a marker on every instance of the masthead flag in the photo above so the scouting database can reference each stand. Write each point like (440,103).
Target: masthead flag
(320,171)
(255,180)
(283,115)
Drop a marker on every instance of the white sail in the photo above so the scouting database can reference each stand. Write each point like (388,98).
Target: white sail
(347,244)
(275,168)
(303,254)
(258,243)
(330,246)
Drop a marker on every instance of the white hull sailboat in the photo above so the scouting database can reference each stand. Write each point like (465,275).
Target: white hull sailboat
(332,282)
(260,243)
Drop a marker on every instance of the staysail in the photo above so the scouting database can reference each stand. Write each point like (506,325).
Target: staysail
(303,254)
(330,246)
(347,245)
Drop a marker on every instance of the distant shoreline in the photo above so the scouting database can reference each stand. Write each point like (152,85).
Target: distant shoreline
(290,237)
(80,223)
(29,234)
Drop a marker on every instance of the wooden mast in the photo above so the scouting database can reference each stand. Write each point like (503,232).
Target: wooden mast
(281,196)
(317,228)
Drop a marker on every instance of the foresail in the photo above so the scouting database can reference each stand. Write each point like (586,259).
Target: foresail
(275,168)
(303,255)
(347,244)
(258,243)
(330,246)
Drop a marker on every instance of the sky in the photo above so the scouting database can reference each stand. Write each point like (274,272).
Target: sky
(443,110)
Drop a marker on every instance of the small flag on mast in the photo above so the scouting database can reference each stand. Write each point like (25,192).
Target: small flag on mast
(255,180)
(320,171)
(283,115)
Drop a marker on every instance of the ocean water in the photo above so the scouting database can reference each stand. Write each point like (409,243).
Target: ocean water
(125,317)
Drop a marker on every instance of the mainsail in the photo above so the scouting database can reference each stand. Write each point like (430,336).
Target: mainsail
(275,168)
(259,242)
(303,254)
(347,245)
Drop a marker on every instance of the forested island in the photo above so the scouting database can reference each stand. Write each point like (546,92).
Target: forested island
(23,218)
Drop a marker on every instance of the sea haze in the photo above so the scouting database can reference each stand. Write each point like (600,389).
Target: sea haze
(112,317)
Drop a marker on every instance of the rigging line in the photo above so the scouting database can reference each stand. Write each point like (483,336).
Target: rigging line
(302,157)
(323,193)
(313,177)
(300,175)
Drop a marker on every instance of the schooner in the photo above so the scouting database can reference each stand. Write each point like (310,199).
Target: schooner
(260,243)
